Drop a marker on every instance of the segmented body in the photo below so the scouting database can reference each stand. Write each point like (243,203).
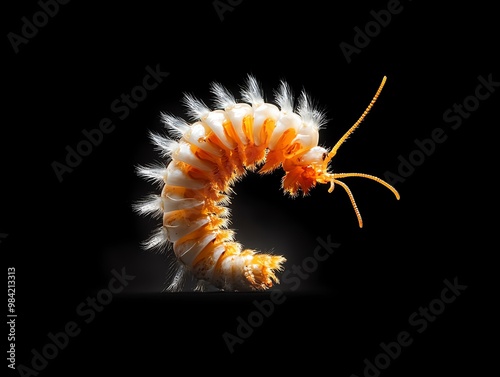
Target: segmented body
(207,156)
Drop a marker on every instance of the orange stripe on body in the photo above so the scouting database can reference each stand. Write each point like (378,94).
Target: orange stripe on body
(222,237)
(231,249)
(277,156)
(248,128)
(240,147)
(267,130)
(230,164)
(255,154)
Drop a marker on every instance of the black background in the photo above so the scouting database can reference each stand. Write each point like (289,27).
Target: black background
(65,238)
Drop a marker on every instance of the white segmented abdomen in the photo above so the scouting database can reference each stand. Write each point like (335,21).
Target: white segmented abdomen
(262,113)
(285,122)
(308,136)
(234,266)
(236,114)
(178,177)
(216,122)
(171,204)
(196,135)
(178,225)
(207,270)
(184,153)
(188,250)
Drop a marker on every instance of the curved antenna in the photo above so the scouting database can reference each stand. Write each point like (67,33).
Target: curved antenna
(333,152)
(372,177)
(349,193)
(351,197)
(334,178)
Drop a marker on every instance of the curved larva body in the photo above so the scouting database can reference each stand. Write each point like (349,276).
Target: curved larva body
(207,156)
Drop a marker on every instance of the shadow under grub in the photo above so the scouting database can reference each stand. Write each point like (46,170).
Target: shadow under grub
(151,273)
(275,293)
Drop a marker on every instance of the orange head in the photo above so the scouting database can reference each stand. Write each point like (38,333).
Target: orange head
(304,171)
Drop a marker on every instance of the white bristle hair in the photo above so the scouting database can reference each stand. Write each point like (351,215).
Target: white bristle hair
(309,114)
(223,98)
(156,172)
(157,241)
(284,97)
(178,278)
(252,91)
(176,126)
(196,109)
(163,144)
(151,205)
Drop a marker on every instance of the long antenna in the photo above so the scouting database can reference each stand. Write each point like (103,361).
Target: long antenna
(333,152)
(373,178)
(334,178)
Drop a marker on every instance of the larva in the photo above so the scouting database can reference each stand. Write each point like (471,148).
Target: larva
(206,157)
